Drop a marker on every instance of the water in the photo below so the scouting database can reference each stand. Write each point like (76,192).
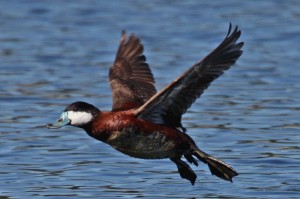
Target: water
(55,52)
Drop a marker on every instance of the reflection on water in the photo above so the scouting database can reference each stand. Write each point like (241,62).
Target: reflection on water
(55,53)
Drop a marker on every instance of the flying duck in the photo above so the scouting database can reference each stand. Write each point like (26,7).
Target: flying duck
(144,123)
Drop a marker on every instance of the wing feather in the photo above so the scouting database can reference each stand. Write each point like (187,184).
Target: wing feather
(130,77)
(167,106)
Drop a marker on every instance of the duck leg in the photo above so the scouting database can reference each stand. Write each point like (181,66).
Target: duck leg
(184,170)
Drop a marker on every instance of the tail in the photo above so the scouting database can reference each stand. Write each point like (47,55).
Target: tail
(217,167)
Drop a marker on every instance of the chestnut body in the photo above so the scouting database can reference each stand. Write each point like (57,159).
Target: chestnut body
(139,138)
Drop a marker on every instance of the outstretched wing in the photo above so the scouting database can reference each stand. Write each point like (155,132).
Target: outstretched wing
(167,106)
(130,77)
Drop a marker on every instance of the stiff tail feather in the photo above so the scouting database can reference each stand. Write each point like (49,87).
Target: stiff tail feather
(217,167)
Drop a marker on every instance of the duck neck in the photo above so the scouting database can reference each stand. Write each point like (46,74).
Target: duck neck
(89,126)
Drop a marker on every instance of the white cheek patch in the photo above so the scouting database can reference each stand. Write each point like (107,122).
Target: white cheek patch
(79,118)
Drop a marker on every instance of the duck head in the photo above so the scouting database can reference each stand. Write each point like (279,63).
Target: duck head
(79,114)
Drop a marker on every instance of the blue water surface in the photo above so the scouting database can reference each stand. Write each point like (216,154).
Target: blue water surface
(53,53)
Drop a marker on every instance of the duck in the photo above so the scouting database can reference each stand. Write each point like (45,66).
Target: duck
(146,123)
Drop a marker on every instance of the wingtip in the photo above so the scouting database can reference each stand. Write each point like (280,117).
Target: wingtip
(123,34)
(240,45)
(236,30)
(229,29)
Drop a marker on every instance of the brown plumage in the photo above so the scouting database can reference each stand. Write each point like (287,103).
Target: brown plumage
(130,77)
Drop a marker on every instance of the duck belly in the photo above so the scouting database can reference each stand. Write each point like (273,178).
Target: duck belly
(139,144)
